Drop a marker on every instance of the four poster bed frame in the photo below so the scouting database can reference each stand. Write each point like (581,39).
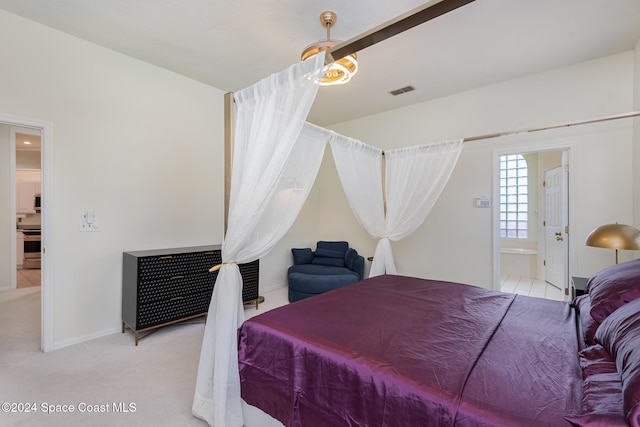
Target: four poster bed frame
(394,350)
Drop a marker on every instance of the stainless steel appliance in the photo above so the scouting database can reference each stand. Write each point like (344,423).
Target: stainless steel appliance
(32,248)
(32,230)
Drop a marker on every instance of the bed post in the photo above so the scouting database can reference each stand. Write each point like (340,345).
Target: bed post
(228,153)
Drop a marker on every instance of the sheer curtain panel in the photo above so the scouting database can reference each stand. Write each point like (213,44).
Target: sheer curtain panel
(414,177)
(360,170)
(276,159)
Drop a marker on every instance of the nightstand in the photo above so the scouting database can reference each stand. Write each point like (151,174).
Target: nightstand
(577,286)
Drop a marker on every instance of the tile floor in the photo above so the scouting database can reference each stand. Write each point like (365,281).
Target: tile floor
(28,278)
(531,287)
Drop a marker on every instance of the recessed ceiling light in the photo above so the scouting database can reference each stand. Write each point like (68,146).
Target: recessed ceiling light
(27,142)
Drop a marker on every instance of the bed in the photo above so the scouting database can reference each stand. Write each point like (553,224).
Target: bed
(402,351)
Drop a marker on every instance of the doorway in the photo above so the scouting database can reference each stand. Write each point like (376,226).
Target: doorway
(44,129)
(28,211)
(525,212)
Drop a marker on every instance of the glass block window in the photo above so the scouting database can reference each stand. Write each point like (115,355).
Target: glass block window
(514,197)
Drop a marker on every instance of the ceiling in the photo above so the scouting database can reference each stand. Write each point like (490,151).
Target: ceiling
(231,44)
(28,142)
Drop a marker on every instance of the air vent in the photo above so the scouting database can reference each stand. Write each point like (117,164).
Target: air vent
(402,90)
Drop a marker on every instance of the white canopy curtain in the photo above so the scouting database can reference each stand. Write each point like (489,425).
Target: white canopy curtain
(360,170)
(414,179)
(276,159)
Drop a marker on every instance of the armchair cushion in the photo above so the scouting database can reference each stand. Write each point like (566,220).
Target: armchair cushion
(302,256)
(305,285)
(328,253)
(340,247)
(334,262)
(321,270)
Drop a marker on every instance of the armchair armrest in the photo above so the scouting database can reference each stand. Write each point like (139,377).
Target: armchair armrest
(354,262)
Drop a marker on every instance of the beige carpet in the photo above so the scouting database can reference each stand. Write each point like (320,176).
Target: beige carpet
(154,381)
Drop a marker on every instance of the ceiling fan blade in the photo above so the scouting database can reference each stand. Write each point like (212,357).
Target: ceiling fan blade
(395,26)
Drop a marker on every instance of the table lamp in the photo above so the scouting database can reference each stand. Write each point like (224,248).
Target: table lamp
(614,236)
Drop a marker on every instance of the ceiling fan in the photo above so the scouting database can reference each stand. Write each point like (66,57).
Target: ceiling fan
(395,26)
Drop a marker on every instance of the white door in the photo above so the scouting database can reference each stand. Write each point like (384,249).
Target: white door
(556,228)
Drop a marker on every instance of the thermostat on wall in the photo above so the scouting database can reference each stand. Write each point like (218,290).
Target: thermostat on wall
(483,202)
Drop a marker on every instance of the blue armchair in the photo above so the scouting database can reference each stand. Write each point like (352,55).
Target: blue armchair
(332,265)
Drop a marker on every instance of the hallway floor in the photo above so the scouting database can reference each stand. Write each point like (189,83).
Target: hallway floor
(531,287)
(27,278)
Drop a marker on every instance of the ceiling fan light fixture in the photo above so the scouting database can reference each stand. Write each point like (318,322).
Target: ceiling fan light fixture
(342,70)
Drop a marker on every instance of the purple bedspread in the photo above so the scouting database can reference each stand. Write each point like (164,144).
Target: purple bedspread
(399,351)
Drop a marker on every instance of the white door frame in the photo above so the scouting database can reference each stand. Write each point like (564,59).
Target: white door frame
(47,286)
(531,148)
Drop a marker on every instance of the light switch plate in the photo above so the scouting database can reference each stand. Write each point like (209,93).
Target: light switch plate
(88,222)
(483,202)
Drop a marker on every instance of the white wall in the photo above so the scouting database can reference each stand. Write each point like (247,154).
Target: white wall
(139,145)
(28,160)
(28,174)
(455,242)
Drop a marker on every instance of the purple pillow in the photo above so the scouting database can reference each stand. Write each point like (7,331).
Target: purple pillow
(596,360)
(601,392)
(619,334)
(613,287)
(588,325)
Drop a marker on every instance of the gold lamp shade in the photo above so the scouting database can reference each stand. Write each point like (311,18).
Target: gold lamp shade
(614,236)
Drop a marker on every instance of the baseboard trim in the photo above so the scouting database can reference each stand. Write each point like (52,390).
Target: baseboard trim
(273,287)
(79,340)
(57,345)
